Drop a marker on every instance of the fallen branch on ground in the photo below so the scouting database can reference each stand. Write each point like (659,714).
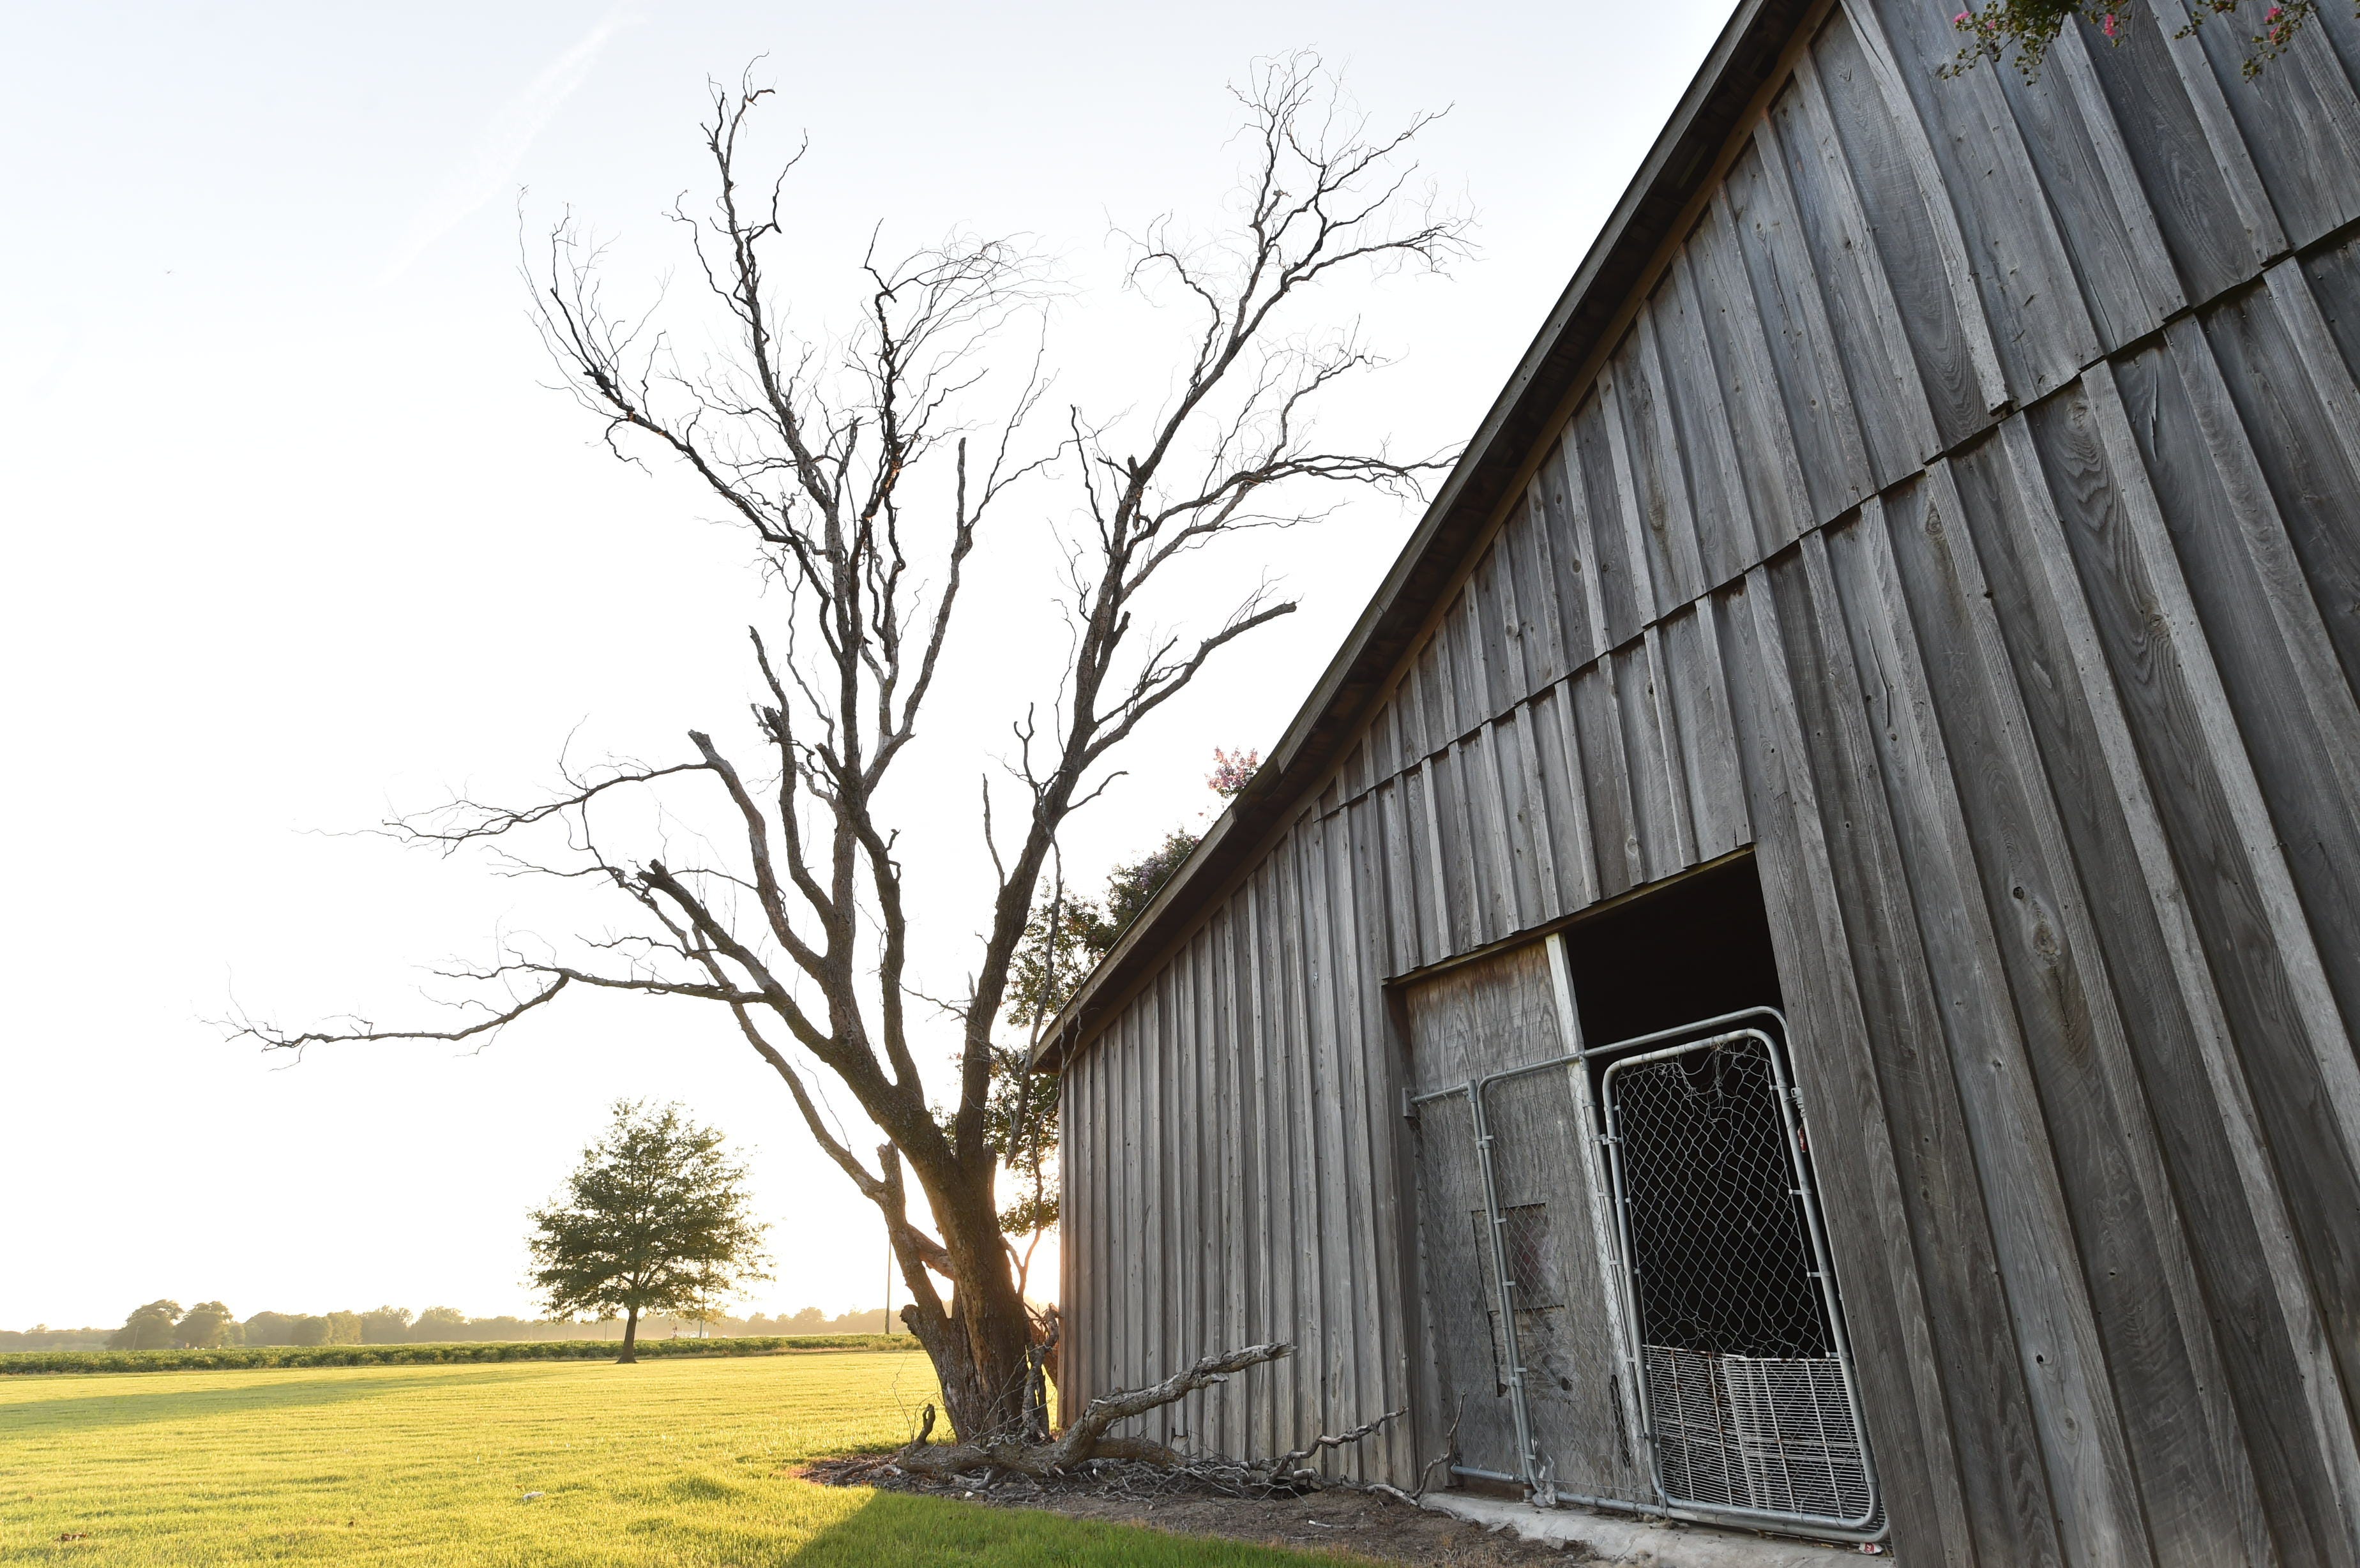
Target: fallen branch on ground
(1087,1444)
(1086,1439)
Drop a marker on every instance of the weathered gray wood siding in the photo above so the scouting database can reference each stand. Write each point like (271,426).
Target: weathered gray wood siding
(1969,519)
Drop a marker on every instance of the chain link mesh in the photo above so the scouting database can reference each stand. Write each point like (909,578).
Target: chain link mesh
(1746,1395)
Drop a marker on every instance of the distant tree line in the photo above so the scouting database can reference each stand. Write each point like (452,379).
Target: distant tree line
(209,1326)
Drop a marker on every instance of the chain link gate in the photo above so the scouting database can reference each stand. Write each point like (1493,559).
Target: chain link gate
(1744,1374)
(1717,1288)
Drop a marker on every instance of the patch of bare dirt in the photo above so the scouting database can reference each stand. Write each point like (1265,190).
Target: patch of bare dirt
(1342,1520)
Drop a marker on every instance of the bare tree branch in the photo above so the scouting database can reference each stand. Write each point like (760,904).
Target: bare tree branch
(867,470)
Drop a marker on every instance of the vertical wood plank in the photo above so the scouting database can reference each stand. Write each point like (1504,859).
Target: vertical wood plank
(1273,1312)
(2328,1103)
(1437,912)
(2063,160)
(1563,776)
(1538,595)
(2066,1368)
(1613,812)
(1626,598)
(1313,1220)
(1697,691)
(2148,1333)
(2264,236)
(1491,809)
(2118,171)
(1635,551)
(1535,833)
(1933,191)
(1778,496)
(1675,561)
(2298,123)
(1360,1257)
(1726,535)
(1577,552)
(1892,396)
(1909,1415)
(1566,506)
(2237,1211)
(1804,344)
(2040,322)
(2177,172)
(1240,1210)
(2319,677)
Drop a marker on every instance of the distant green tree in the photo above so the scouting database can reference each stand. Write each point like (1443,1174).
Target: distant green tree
(655,1219)
(208,1325)
(439,1325)
(811,1320)
(307,1330)
(344,1328)
(150,1327)
(270,1328)
(387,1325)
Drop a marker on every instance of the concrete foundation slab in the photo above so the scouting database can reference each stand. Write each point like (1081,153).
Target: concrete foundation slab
(1641,1542)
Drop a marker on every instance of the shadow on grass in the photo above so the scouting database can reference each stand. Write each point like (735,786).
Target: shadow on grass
(118,1407)
(893,1529)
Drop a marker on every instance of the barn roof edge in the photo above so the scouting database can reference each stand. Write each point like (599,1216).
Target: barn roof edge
(1679,163)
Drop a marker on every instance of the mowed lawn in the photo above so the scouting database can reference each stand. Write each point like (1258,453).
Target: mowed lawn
(666,1463)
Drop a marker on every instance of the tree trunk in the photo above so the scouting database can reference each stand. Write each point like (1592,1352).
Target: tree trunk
(630,1339)
(981,1347)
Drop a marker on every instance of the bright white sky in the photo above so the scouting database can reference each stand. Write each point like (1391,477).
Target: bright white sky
(295,533)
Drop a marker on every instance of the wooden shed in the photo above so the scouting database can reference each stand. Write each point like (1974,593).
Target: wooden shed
(1800,966)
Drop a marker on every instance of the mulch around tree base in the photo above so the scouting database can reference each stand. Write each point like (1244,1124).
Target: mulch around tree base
(1342,1520)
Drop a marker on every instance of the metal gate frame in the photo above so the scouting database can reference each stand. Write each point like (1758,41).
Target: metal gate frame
(1866,1525)
(1532,1471)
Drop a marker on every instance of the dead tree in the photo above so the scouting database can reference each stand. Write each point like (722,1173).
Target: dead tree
(865,477)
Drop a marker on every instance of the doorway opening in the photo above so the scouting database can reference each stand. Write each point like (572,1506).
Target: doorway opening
(1695,948)
(1737,1345)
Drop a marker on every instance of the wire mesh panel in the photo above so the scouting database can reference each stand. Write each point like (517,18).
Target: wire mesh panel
(1747,1398)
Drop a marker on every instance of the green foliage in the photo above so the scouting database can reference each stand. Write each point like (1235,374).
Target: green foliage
(1067,935)
(811,1320)
(656,1219)
(152,1327)
(246,1356)
(387,1325)
(309,1331)
(41,1336)
(270,1328)
(208,1325)
(2031,26)
(439,1324)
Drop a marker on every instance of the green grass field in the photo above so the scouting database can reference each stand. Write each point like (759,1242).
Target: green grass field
(680,1462)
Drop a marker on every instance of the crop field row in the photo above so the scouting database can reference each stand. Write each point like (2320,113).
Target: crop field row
(234,1357)
(679,1463)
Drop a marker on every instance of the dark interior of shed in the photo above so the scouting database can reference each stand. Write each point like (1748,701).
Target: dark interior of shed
(1722,1259)
(1694,948)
